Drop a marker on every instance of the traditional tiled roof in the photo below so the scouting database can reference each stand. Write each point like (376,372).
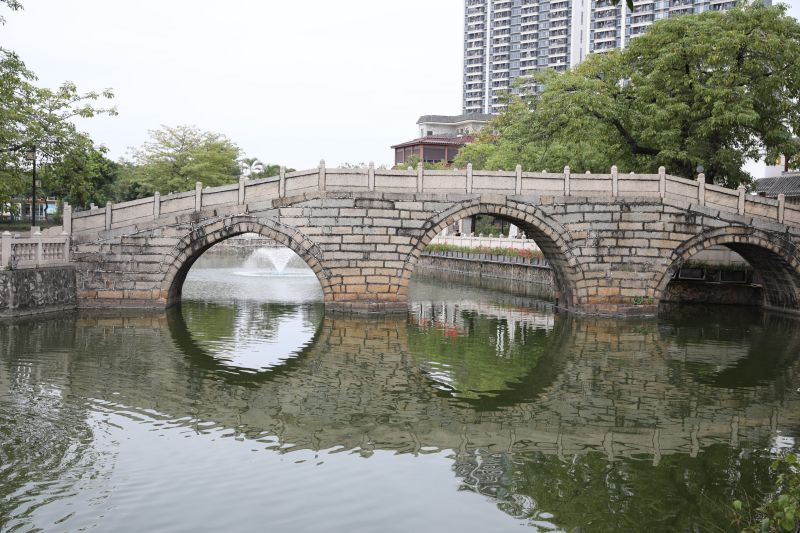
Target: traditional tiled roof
(787,184)
(455,119)
(438,140)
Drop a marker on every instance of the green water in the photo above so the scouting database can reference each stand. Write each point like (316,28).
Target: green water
(249,409)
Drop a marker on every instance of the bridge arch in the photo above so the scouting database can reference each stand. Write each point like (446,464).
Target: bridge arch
(773,256)
(549,235)
(206,234)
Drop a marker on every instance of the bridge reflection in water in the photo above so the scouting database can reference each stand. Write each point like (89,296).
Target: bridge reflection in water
(559,420)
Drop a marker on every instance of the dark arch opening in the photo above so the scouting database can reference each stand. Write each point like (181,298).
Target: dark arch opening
(545,232)
(194,244)
(773,259)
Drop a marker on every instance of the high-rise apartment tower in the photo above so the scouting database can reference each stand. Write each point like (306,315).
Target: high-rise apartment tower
(506,39)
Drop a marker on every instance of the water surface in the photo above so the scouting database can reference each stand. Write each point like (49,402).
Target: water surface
(249,409)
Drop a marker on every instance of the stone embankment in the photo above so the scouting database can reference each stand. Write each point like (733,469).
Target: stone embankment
(32,291)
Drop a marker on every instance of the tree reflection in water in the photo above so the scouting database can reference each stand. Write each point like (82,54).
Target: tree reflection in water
(591,423)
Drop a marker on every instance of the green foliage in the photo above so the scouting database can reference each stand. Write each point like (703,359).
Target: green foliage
(712,89)
(174,159)
(83,176)
(37,122)
(780,512)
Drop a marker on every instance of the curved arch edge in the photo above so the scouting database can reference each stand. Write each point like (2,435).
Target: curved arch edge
(191,246)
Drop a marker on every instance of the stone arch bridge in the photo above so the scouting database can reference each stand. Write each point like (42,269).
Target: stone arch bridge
(614,240)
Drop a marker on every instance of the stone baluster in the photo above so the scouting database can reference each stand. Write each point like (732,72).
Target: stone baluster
(242,186)
(198,196)
(742,190)
(371,176)
(701,189)
(66,223)
(662,181)
(5,249)
(37,237)
(781,207)
(109,213)
(156,205)
(566,181)
(518,187)
(420,176)
(614,180)
(469,178)
(322,175)
(282,182)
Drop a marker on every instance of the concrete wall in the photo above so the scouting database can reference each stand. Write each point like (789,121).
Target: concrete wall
(34,291)
(520,273)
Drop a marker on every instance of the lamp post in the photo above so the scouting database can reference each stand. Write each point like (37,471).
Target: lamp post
(32,157)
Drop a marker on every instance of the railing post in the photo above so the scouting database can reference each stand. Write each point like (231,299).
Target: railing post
(322,175)
(781,207)
(109,210)
(662,181)
(282,182)
(742,191)
(65,253)
(518,187)
(66,219)
(371,176)
(156,205)
(469,178)
(198,196)
(5,249)
(420,175)
(38,238)
(566,181)
(701,189)
(614,180)
(242,182)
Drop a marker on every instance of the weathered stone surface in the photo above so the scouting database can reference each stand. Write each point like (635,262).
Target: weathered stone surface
(609,254)
(37,290)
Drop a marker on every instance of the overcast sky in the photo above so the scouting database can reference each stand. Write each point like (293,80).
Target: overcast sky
(288,82)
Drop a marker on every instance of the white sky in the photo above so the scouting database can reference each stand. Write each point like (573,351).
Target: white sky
(289,82)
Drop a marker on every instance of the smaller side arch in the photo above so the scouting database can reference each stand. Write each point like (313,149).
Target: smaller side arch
(541,228)
(773,256)
(176,266)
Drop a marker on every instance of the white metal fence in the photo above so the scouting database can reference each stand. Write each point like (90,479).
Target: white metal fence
(466,241)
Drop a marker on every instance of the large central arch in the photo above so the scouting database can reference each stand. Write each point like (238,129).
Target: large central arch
(548,234)
(772,256)
(176,266)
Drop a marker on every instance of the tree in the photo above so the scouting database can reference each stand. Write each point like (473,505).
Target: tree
(710,90)
(83,176)
(175,158)
(37,122)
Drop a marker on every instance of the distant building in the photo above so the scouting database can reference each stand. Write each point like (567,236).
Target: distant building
(452,125)
(431,149)
(787,184)
(440,137)
(506,39)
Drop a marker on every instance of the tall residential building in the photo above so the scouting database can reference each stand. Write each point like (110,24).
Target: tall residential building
(506,39)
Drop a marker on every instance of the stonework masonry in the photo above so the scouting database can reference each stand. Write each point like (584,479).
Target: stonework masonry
(613,240)
(34,291)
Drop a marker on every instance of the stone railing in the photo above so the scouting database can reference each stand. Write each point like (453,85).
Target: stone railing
(39,250)
(419,180)
(479,241)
